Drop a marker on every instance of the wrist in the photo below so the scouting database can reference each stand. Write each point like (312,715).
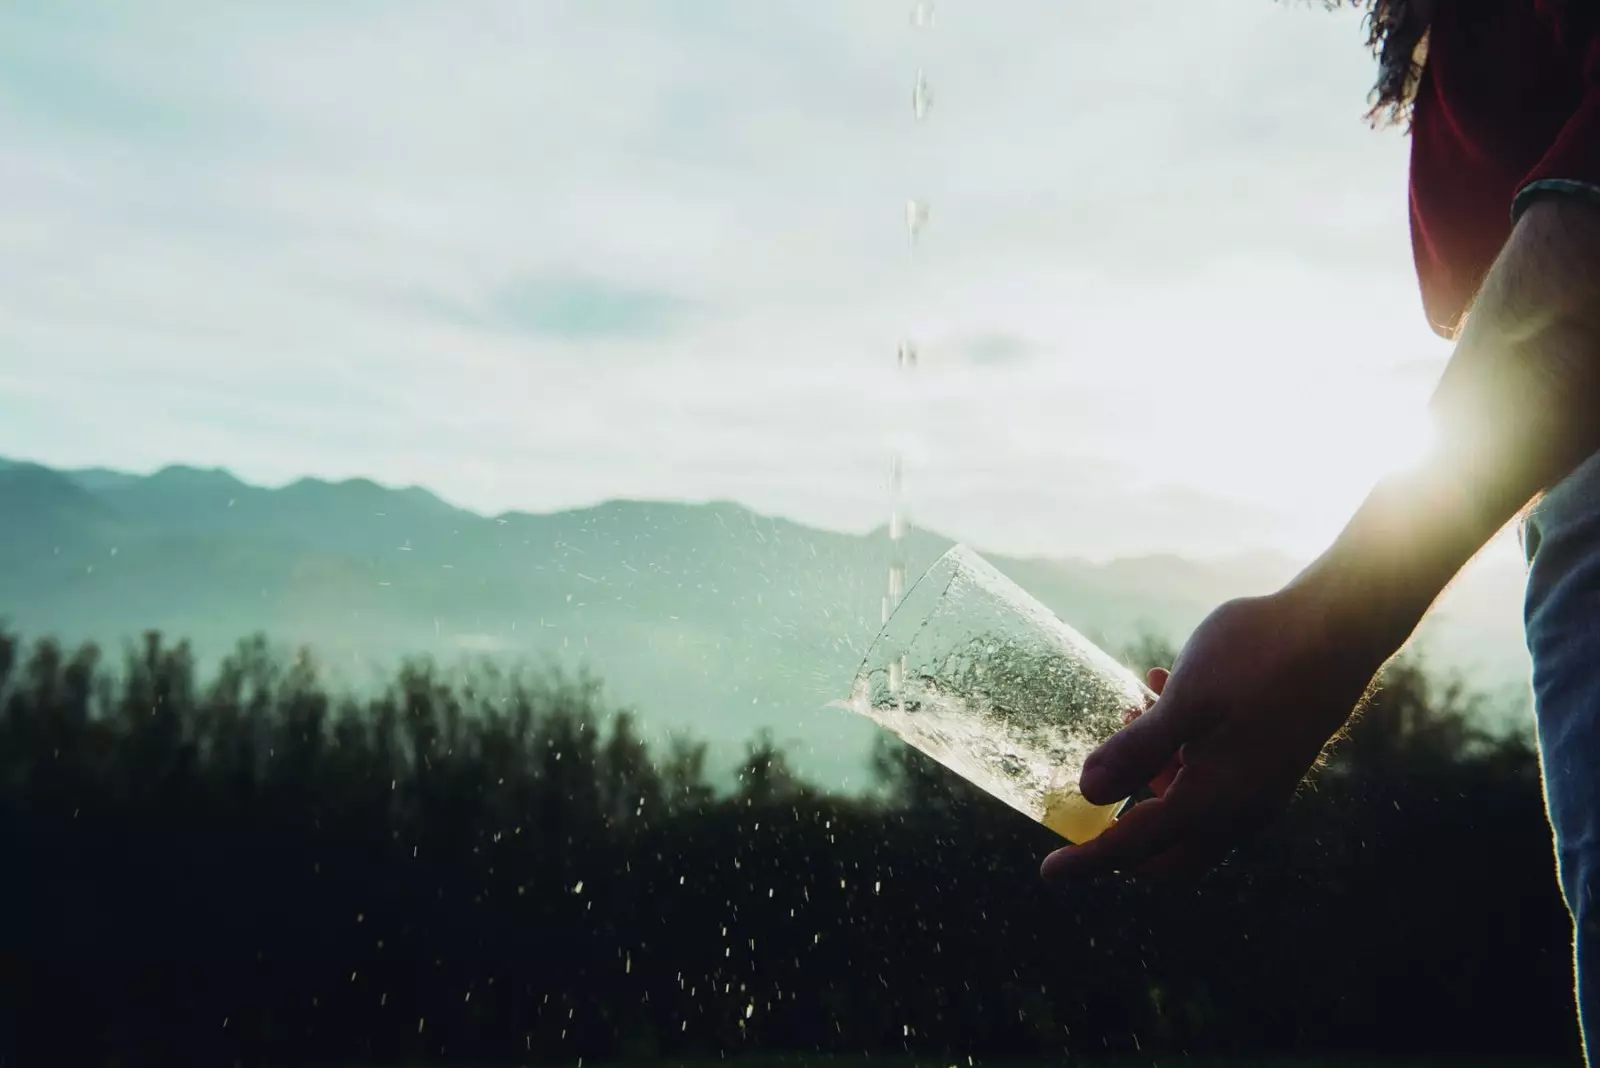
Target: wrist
(1391,562)
(1361,614)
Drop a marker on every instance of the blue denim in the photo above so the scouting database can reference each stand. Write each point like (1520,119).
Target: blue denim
(1561,612)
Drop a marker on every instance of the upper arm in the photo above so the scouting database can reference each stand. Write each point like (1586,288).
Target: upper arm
(1524,383)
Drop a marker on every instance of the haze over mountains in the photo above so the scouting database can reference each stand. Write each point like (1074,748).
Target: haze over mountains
(706,617)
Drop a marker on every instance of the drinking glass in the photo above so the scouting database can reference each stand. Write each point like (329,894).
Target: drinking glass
(984,679)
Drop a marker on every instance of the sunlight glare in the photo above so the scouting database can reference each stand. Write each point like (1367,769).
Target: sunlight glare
(1305,451)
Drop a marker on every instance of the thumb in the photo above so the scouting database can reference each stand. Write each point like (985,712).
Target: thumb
(1132,757)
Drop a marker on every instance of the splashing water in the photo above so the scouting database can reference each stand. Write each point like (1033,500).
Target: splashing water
(921,97)
(897,581)
(984,679)
(897,535)
(1029,757)
(917,212)
(973,739)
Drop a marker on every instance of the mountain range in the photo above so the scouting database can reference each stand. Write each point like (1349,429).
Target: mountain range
(705,617)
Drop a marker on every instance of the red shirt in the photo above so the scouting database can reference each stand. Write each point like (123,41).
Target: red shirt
(1508,109)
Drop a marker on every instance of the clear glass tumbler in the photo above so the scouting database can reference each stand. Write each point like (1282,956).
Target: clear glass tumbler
(984,679)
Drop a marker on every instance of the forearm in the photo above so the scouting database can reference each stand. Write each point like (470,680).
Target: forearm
(1518,408)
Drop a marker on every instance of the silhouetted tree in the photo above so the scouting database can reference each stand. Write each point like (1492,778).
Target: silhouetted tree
(765,776)
(491,866)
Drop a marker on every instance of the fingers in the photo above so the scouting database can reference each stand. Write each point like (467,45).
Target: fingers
(1182,834)
(1163,782)
(1156,679)
(1182,829)
(1209,842)
(1132,757)
(1163,779)
(1144,832)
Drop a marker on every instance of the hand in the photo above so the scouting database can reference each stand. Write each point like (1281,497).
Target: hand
(1156,679)
(1255,694)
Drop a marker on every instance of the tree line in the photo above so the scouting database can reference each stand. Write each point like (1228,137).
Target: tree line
(493,866)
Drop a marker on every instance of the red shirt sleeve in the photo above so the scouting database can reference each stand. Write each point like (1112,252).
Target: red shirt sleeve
(1571,166)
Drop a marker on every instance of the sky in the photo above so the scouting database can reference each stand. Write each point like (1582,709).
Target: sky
(536,254)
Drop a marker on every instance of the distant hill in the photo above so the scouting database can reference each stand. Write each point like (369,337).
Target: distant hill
(707,617)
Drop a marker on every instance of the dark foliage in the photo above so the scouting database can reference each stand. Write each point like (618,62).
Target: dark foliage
(495,869)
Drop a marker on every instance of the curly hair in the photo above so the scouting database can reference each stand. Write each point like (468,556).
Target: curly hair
(1399,42)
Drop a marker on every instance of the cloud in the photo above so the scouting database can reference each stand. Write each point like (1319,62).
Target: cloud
(578,308)
(574,309)
(403,239)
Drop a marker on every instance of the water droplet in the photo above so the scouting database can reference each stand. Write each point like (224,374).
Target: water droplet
(916,218)
(905,356)
(924,14)
(921,97)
